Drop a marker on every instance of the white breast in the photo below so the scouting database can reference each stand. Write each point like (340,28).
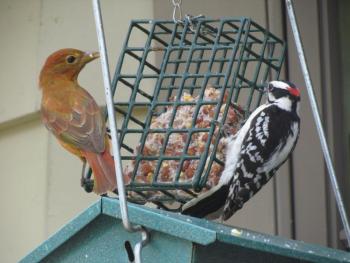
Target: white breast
(235,145)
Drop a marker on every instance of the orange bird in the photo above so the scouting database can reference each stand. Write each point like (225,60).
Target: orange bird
(72,115)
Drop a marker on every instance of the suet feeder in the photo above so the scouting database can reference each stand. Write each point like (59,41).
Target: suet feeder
(159,63)
(97,235)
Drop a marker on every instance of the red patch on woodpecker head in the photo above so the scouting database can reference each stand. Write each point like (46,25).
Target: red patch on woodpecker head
(294,91)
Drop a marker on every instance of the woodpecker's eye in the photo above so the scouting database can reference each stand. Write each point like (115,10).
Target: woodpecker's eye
(70,59)
(270,87)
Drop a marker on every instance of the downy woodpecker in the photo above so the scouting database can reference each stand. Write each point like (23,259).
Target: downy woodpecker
(254,153)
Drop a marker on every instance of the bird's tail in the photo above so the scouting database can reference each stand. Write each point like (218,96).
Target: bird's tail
(235,201)
(102,166)
(207,203)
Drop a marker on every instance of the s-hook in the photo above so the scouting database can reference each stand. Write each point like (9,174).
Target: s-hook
(113,127)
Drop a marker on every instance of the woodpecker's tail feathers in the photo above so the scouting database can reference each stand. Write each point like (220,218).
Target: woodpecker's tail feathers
(207,203)
(232,205)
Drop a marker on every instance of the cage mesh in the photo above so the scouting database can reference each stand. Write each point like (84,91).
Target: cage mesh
(160,62)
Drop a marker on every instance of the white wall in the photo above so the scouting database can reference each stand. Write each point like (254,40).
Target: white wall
(41,181)
(23,194)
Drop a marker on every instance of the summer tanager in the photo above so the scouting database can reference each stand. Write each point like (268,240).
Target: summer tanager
(73,116)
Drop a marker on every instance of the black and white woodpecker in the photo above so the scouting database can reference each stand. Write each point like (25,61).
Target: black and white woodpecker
(254,153)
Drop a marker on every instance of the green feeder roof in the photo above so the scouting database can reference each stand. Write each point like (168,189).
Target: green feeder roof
(97,235)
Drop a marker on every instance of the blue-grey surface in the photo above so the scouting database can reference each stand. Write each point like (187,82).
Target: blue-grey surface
(228,253)
(170,223)
(103,241)
(64,234)
(97,235)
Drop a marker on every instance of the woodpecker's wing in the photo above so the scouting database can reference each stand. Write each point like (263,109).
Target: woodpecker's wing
(235,144)
(214,199)
(266,146)
(76,121)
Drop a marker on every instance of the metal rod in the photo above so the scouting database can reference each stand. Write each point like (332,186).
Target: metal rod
(113,127)
(317,118)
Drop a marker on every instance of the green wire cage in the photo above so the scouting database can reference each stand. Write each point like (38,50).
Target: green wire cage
(160,63)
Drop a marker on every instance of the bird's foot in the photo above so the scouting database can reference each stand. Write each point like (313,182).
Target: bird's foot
(226,131)
(87,184)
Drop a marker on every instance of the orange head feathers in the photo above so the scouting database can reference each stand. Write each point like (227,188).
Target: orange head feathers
(65,63)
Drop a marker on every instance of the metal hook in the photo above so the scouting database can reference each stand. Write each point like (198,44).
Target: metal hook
(177,10)
(113,127)
(192,21)
(138,247)
(177,16)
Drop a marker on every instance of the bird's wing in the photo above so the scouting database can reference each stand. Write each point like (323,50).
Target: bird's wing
(76,121)
(263,150)
(263,141)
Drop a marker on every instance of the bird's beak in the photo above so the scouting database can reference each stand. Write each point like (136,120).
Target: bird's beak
(89,56)
(266,88)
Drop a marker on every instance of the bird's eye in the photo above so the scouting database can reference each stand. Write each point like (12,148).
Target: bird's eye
(70,59)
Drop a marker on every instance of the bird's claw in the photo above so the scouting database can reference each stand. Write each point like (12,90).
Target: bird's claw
(87,184)
(225,131)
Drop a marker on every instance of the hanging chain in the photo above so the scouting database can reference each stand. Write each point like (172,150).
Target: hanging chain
(177,16)
(177,12)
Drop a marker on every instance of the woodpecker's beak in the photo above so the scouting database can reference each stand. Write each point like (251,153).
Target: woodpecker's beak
(266,87)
